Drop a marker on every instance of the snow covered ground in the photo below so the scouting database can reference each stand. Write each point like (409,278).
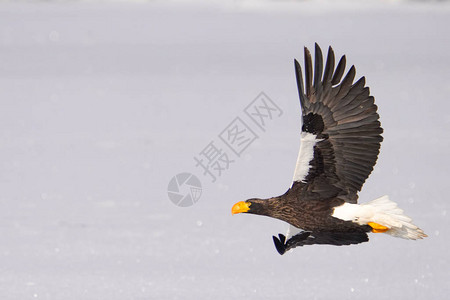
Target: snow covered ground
(102,103)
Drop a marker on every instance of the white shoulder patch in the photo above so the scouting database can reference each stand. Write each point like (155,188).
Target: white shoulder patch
(305,155)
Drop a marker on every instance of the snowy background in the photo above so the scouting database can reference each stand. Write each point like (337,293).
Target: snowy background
(102,103)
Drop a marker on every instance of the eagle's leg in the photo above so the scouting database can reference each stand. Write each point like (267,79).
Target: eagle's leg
(282,245)
(378,228)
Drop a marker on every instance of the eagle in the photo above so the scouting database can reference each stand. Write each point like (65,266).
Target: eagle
(339,145)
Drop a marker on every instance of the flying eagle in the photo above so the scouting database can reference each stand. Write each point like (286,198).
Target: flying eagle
(339,145)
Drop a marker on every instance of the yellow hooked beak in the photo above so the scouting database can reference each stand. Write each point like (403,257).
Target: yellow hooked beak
(240,207)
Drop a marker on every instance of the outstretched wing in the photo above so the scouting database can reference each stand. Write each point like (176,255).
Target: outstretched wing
(341,134)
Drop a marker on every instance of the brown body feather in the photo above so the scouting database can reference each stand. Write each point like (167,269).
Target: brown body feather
(305,209)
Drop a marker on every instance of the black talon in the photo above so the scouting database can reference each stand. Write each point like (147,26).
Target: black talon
(282,245)
(282,238)
(279,245)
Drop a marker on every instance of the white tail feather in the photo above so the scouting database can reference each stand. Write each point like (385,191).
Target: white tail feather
(386,212)
(381,211)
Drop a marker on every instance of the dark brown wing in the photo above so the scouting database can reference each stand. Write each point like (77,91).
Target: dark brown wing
(341,134)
